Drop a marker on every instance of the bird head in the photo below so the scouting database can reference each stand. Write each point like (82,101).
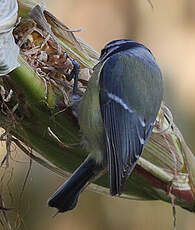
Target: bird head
(118,46)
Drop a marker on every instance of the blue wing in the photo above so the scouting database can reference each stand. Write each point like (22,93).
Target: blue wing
(128,121)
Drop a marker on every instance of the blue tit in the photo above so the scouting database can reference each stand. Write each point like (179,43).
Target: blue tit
(116,116)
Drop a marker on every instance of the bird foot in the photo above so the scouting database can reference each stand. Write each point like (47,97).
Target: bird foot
(74,103)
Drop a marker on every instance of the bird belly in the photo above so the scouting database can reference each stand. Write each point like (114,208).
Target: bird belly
(91,124)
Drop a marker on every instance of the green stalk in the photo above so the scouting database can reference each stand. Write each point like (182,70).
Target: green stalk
(26,80)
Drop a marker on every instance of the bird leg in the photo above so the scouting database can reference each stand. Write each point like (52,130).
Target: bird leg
(74,74)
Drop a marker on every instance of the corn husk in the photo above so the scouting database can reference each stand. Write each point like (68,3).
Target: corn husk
(166,168)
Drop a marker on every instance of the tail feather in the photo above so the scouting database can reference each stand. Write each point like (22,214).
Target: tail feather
(66,197)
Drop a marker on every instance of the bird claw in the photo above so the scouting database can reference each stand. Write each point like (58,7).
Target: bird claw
(75,99)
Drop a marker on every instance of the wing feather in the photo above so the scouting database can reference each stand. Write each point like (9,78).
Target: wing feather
(126,129)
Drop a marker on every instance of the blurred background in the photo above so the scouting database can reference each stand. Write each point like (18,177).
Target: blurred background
(168,30)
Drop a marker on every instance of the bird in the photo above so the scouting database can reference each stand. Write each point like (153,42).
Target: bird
(116,116)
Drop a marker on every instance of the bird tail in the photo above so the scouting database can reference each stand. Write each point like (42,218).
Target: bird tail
(66,197)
